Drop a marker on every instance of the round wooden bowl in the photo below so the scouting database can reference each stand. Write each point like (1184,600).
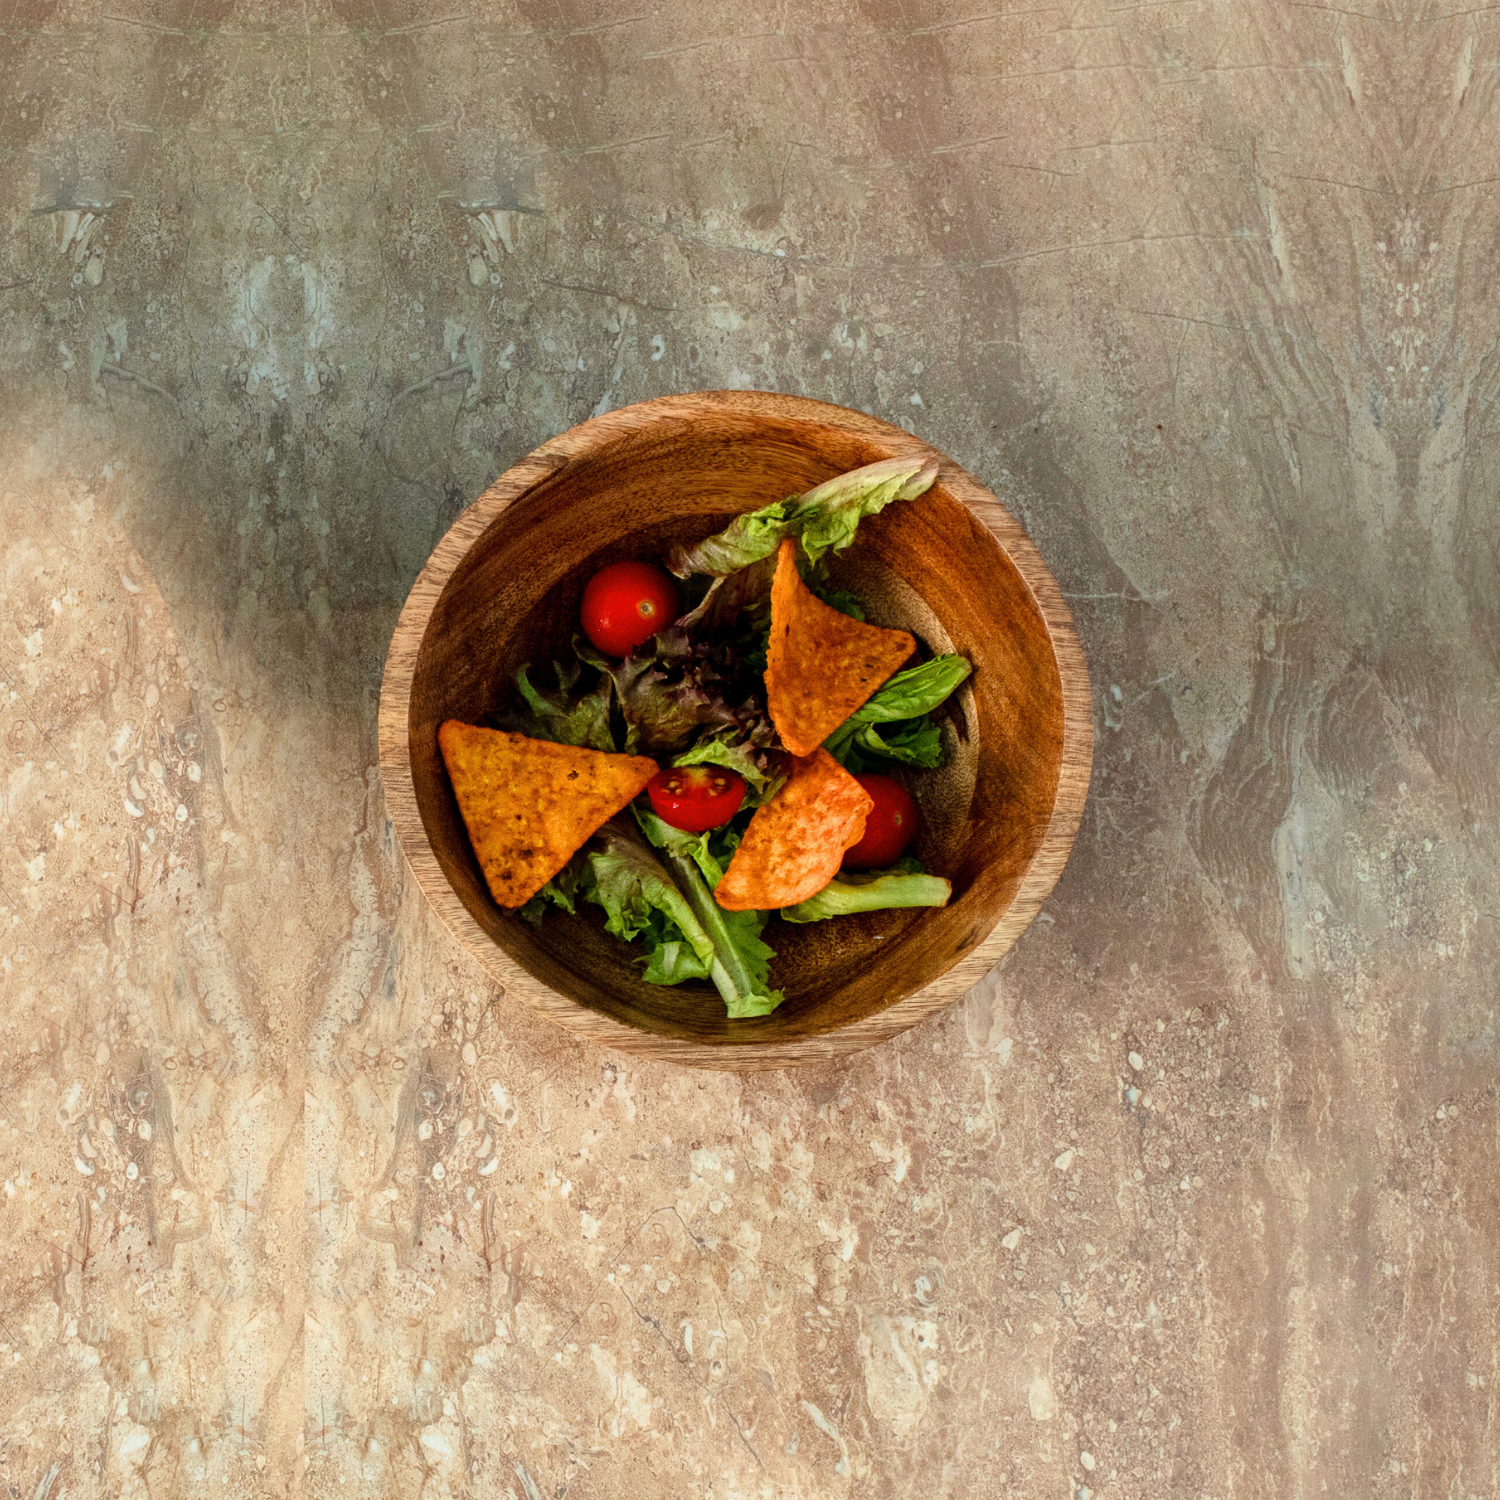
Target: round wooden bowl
(954,567)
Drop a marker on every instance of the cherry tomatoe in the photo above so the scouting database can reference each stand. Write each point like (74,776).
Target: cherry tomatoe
(696,798)
(625,604)
(889,828)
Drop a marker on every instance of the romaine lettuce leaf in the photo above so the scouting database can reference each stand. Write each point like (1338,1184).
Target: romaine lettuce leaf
(694,846)
(672,961)
(828,516)
(637,893)
(747,539)
(876,891)
(628,881)
(730,599)
(741,966)
(825,518)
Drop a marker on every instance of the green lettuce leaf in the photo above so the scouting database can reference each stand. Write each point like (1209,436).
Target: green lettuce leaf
(912,742)
(747,539)
(693,846)
(672,961)
(878,890)
(552,716)
(745,758)
(825,518)
(908,695)
(628,881)
(828,516)
(698,861)
(561,890)
(741,966)
(643,903)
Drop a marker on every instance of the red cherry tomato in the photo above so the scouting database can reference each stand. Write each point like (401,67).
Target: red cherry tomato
(696,798)
(625,604)
(889,829)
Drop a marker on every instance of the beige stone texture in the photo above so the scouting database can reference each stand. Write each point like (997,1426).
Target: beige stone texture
(1195,1196)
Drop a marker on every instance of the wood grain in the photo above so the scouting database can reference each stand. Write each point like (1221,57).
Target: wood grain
(502,587)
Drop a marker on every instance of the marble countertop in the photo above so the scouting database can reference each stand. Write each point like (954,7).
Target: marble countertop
(1194,1196)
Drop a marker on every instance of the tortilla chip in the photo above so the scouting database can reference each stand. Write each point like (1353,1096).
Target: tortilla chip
(529,805)
(821,665)
(795,843)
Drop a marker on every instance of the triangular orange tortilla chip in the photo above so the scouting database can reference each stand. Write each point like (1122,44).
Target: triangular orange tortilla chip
(821,665)
(795,843)
(529,805)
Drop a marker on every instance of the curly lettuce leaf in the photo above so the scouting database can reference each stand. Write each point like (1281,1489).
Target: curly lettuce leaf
(744,756)
(903,885)
(561,890)
(554,716)
(663,709)
(825,518)
(696,677)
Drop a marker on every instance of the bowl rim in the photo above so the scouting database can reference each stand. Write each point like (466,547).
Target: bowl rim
(394,734)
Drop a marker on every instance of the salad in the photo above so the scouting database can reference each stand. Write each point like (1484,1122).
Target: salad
(721,744)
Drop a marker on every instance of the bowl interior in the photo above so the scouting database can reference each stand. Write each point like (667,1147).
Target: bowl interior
(930,567)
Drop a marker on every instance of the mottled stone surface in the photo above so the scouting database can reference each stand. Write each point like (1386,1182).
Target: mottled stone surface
(1196,1196)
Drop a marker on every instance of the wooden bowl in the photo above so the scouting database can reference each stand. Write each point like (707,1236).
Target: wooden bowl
(503,588)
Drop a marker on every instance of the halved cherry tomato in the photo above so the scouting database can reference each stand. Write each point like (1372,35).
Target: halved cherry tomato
(625,604)
(890,827)
(696,798)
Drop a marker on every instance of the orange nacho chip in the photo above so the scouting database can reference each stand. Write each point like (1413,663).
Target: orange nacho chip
(821,665)
(795,843)
(529,805)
